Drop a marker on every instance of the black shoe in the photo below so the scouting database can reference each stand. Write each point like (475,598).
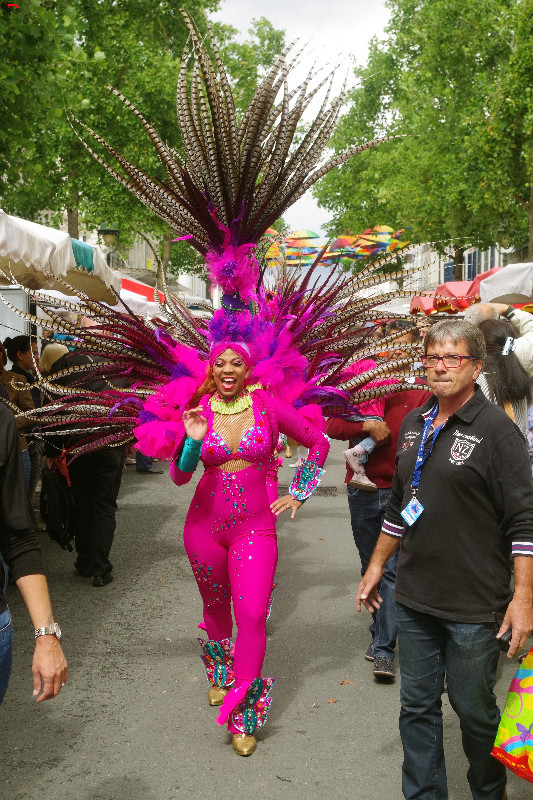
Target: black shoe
(103,580)
(85,572)
(384,668)
(149,471)
(369,655)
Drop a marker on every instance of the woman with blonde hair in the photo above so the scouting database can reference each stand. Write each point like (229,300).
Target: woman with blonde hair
(50,354)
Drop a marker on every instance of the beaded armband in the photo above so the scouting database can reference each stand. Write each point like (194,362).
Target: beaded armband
(306,479)
(190,455)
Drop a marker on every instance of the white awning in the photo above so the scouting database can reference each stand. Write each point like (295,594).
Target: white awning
(37,256)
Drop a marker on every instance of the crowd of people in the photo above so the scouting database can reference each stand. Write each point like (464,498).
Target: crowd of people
(445,500)
(439,477)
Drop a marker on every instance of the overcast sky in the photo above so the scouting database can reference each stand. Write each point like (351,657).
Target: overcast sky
(335,30)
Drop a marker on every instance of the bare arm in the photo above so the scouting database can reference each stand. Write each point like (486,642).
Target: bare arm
(519,614)
(49,666)
(367,592)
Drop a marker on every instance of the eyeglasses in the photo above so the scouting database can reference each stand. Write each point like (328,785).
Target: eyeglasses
(449,361)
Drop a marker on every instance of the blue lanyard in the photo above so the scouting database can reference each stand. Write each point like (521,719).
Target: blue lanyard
(422,456)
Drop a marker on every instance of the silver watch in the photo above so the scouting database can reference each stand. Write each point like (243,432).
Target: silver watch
(50,630)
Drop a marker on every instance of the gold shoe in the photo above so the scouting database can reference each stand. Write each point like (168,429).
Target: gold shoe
(244,744)
(216,695)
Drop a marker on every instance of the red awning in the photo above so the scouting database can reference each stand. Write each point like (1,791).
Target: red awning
(140,288)
(451,297)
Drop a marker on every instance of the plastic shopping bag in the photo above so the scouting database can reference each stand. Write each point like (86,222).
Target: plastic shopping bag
(514,741)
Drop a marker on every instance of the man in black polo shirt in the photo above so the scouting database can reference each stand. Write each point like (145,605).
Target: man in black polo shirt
(461,504)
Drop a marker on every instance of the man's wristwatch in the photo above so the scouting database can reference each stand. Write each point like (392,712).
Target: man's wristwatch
(50,630)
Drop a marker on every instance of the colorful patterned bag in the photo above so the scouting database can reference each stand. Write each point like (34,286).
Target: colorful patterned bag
(514,741)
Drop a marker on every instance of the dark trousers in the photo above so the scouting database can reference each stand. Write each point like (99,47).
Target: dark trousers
(37,457)
(95,479)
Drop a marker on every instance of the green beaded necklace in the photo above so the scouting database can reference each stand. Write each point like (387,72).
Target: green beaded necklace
(236,404)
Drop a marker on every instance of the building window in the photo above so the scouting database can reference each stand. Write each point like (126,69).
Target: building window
(472,262)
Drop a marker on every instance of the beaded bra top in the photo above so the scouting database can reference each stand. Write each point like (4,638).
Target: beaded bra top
(249,430)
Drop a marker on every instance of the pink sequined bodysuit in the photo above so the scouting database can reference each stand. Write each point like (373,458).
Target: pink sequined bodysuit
(229,533)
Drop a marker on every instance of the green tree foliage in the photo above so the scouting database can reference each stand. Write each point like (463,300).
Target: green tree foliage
(37,45)
(135,49)
(249,61)
(455,78)
(60,57)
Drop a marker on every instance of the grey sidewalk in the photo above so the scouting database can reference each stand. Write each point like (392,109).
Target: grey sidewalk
(133,722)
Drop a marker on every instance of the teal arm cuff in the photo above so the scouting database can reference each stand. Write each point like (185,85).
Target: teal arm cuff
(190,455)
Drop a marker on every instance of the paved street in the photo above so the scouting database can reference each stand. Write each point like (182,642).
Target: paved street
(133,721)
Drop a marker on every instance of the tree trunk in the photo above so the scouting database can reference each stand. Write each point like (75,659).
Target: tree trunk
(458,264)
(530,213)
(73,214)
(167,243)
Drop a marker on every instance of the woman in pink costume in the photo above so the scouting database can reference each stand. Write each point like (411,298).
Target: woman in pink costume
(235,176)
(230,534)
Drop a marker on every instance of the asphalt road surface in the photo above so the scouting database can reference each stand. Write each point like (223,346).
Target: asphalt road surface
(133,723)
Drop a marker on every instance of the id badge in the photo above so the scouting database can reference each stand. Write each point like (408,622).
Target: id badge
(412,511)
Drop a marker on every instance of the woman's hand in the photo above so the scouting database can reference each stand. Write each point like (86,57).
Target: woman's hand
(284,503)
(195,424)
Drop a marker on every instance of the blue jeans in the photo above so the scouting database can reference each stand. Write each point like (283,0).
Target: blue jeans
(367,510)
(143,462)
(6,651)
(467,653)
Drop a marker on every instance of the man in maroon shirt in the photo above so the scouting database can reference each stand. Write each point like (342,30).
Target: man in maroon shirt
(367,509)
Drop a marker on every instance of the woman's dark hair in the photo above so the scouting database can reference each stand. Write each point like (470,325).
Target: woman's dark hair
(508,381)
(18,344)
(3,357)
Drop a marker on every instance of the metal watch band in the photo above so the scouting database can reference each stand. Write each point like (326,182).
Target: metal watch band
(49,630)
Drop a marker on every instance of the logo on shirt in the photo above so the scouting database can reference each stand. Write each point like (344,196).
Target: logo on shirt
(461,449)
(409,438)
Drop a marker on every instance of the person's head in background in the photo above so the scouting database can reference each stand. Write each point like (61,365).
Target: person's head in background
(3,358)
(65,315)
(476,313)
(409,335)
(51,353)
(22,352)
(423,326)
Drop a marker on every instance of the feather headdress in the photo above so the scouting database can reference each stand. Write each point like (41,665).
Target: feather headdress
(235,178)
